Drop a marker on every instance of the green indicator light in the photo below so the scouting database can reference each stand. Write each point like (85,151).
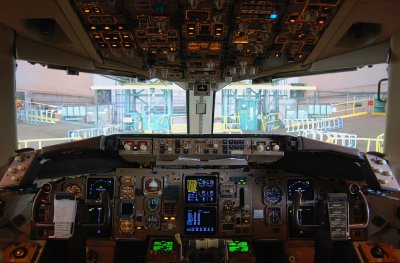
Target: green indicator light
(238,246)
(163,245)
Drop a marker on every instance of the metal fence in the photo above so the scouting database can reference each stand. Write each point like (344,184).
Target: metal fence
(93,132)
(310,125)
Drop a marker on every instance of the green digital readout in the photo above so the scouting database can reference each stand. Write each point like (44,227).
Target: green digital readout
(163,245)
(238,246)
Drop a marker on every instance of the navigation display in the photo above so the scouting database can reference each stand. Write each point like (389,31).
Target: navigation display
(200,221)
(306,217)
(163,245)
(97,185)
(96,216)
(304,186)
(200,189)
(238,246)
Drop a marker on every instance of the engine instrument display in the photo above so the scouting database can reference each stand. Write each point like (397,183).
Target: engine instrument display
(97,185)
(272,194)
(75,189)
(200,189)
(200,221)
(152,204)
(304,186)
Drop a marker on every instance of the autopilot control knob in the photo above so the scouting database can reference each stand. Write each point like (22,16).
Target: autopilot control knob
(127,147)
(169,149)
(143,147)
(215,145)
(276,147)
(260,147)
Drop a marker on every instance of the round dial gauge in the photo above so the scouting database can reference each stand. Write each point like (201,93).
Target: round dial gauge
(152,222)
(152,204)
(273,215)
(126,225)
(127,192)
(272,194)
(75,189)
(152,185)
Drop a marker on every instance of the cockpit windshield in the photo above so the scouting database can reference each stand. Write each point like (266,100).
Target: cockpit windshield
(340,108)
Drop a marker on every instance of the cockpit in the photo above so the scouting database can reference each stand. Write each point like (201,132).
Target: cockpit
(226,185)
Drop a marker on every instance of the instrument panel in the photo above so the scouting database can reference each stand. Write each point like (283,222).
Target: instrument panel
(194,202)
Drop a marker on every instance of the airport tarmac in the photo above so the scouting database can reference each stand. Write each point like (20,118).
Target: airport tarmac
(367,126)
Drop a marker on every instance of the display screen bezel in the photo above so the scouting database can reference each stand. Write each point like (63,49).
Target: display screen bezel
(122,211)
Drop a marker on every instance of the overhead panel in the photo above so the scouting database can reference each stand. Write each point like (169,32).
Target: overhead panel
(210,41)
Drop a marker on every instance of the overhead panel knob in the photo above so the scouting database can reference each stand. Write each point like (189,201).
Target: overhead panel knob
(276,147)
(143,147)
(260,147)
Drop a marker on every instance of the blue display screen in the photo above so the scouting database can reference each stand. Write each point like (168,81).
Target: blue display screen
(200,221)
(303,186)
(200,189)
(97,185)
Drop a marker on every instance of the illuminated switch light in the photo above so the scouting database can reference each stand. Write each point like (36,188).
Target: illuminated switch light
(273,16)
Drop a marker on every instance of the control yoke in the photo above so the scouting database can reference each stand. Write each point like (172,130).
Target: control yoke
(104,201)
(353,189)
(297,199)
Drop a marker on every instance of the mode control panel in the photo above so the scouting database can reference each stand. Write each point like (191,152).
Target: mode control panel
(262,146)
(201,146)
(137,146)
